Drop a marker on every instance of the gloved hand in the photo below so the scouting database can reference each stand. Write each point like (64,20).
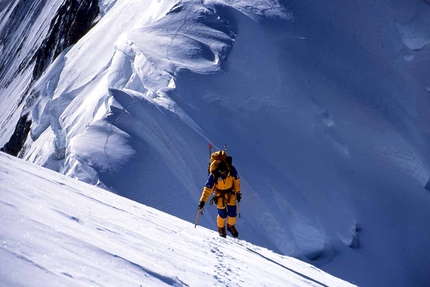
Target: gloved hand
(238,196)
(201,205)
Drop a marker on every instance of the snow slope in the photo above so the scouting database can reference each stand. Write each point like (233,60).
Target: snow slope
(56,231)
(324,107)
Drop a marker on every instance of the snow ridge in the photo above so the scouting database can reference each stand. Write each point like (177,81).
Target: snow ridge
(146,61)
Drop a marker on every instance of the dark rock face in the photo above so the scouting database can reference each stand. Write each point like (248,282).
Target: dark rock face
(19,136)
(73,20)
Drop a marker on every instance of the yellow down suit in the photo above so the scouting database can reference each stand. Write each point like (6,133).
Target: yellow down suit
(225,187)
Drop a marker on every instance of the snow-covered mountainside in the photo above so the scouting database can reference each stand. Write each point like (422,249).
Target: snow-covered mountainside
(56,231)
(32,35)
(323,105)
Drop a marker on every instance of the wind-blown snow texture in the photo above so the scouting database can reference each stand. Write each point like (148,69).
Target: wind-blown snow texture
(57,231)
(324,107)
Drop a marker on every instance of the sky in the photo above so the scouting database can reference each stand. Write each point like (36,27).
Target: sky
(57,231)
(324,107)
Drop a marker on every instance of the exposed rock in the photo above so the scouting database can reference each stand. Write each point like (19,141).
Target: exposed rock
(19,136)
(73,20)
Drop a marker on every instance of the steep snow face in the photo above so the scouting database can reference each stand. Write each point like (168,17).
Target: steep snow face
(323,106)
(56,231)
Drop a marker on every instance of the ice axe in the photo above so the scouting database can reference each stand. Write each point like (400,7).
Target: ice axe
(199,211)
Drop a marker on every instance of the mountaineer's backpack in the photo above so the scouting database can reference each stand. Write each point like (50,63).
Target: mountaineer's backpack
(216,158)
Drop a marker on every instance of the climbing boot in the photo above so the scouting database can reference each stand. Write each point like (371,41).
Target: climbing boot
(232,229)
(222,232)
